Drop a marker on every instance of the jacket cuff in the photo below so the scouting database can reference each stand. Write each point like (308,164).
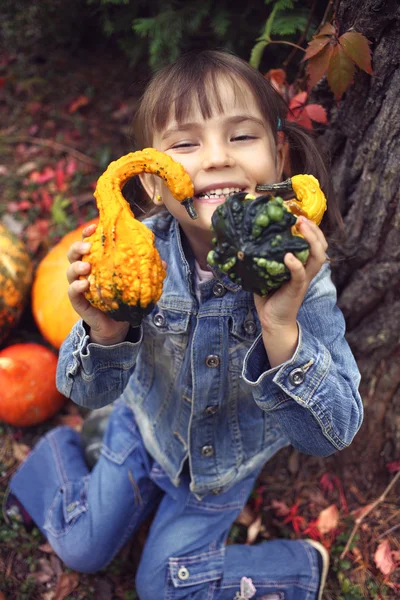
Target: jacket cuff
(93,357)
(297,378)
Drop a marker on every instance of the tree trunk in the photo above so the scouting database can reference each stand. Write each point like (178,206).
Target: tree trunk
(364,144)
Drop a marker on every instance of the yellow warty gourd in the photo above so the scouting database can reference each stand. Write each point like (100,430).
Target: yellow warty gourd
(127,274)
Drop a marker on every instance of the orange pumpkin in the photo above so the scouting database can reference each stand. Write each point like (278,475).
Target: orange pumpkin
(51,307)
(28,393)
(15,280)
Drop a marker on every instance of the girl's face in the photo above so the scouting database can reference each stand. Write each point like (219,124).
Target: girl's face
(226,153)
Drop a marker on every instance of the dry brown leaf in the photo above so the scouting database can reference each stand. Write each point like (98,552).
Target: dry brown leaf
(20,451)
(45,574)
(2,596)
(254,530)
(246,517)
(67,582)
(46,548)
(383,558)
(328,519)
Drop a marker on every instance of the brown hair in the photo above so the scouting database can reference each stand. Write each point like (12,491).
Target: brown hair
(191,77)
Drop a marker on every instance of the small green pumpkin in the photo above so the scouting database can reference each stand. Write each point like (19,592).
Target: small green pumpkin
(252,236)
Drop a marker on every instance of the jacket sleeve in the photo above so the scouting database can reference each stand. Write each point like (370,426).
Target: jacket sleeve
(93,375)
(314,395)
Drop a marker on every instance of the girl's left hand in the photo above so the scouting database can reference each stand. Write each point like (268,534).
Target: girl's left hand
(280,309)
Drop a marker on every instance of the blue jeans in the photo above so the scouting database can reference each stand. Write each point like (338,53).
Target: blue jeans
(88,516)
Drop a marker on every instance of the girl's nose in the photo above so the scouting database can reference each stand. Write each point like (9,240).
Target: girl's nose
(217,156)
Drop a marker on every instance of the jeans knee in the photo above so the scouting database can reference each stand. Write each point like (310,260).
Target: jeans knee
(80,557)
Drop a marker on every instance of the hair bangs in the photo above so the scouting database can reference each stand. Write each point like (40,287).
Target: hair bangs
(196,80)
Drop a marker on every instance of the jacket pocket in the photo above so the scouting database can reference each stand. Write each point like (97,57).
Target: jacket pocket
(192,573)
(68,505)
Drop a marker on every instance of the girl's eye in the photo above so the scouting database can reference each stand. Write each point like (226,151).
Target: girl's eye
(240,138)
(183,145)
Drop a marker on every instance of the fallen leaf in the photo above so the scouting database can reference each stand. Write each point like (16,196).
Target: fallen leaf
(46,548)
(66,584)
(281,508)
(20,451)
(394,466)
(383,558)
(246,517)
(26,168)
(45,574)
(254,530)
(78,103)
(328,519)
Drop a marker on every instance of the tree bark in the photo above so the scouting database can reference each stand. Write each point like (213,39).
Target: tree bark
(363,141)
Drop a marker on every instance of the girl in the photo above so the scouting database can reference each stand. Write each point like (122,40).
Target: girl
(214,381)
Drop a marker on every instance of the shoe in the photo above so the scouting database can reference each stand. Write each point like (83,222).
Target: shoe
(323,564)
(13,510)
(92,433)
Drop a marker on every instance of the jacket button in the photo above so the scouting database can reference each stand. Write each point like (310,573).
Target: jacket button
(210,410)
(207,450)
(296,377)
(159,320)
(219,290)
(212,361)
(183,573)
(249,327)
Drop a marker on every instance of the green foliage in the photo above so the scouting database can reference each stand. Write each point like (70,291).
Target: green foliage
(284,21)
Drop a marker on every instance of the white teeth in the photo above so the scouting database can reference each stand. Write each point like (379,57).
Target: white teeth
(219,192)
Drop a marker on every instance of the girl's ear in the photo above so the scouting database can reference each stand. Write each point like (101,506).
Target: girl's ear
(151,185)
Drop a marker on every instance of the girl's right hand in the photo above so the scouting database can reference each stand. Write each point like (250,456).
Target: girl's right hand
(103,329)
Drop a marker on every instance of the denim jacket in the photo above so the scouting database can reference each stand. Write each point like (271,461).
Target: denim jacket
(197,378)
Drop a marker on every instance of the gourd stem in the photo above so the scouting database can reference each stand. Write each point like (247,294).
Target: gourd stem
(275,187)
(188,204)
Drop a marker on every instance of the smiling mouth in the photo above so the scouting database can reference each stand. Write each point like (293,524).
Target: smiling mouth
(219,193)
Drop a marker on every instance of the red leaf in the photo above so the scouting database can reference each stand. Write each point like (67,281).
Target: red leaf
(72,166)
(298,101)
(357,48)
(44,176)
(317,113)
(340,72)
(318,65)
(46,200)
(394,466)
(383,558)
(60,178)
(2,81)
(78,103)
(277,77)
